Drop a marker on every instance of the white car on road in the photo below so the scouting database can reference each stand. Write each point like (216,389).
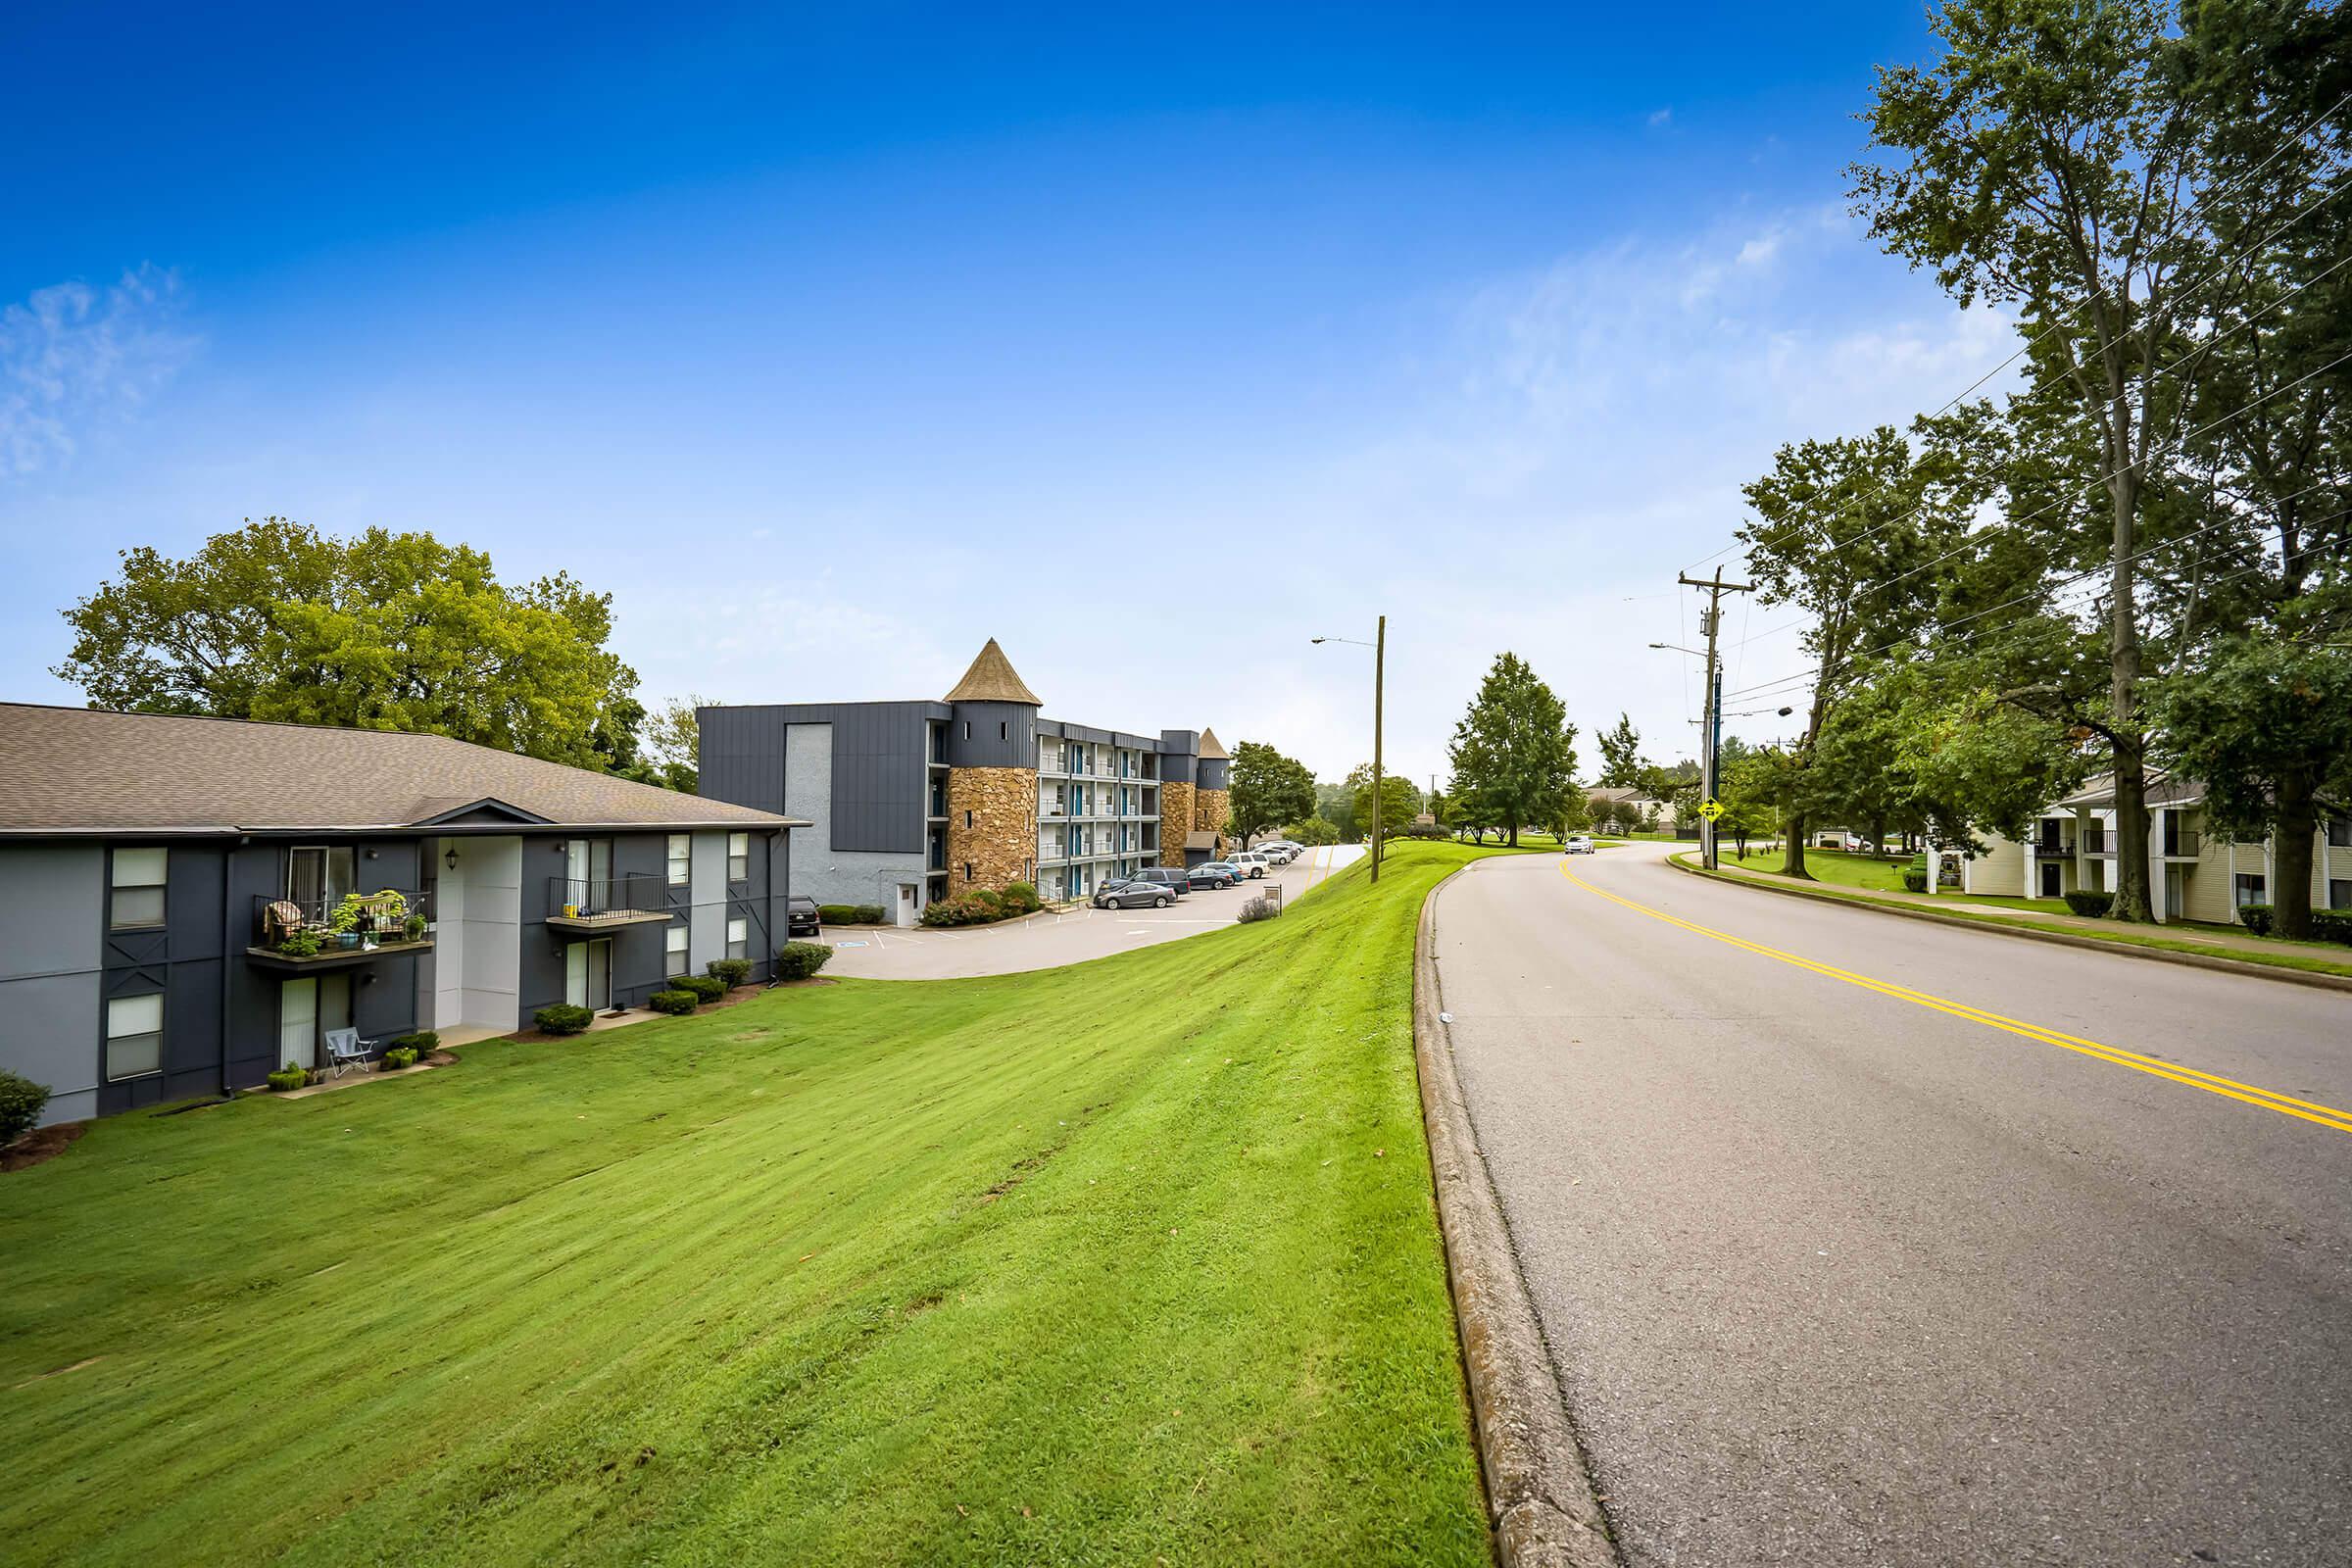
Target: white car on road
(1576,844)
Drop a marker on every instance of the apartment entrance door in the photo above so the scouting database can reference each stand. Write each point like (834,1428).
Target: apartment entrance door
(588,974)
(307,1008)
(2049,879)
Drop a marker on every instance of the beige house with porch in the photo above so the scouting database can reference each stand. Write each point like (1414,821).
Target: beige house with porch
(2194,874)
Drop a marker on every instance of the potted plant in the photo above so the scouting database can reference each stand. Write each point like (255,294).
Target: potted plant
(300,943)
(415,926)
(347,920)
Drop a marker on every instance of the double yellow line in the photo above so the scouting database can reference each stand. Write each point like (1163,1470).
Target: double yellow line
(2285,1104)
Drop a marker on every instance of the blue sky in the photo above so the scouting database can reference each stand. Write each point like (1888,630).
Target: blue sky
(836,342)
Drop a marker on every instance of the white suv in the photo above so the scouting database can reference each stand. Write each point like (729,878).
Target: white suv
(1250,861)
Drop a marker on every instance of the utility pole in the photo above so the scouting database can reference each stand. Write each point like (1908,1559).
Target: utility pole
(1712,621)
(1380,668)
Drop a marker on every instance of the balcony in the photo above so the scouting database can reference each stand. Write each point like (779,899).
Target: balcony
(2179,844)
(601,902)
(2096,842)
(300,936)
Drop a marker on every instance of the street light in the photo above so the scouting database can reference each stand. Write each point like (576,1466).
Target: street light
(1380,662)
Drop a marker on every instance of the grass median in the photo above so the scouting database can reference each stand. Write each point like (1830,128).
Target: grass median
(1129,1259)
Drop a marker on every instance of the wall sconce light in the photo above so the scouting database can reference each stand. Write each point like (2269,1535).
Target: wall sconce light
(371,852)
(451,858)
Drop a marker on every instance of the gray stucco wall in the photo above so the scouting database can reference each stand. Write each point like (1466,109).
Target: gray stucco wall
(821,868)
(49,961)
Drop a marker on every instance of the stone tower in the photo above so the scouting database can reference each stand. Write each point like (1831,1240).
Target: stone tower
(1195,797)
(992,776)
(1213,793)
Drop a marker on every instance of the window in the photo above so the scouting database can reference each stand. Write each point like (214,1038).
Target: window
(967,818)
(2340,832)
(682,860)
(318,876)
(673,948)
(2339,892)
(739,938)
(967,729)
(2252,888)
(739,857)
(136,898)
(967,871)
(1003,730)
(134,1036)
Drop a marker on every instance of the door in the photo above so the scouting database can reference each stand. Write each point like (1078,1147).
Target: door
(588,974)
(587,872)
(298,1022)
(2049,879)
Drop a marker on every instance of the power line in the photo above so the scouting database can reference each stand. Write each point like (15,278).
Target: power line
(2291,141)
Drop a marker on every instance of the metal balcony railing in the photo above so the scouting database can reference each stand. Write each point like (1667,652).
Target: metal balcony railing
(591,896)
(384,917)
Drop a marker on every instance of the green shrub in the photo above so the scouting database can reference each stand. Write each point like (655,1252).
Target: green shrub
(964,908)
(731,972)
(425,1041)
(869,914)
(562,1018)
(798,961)
(1019,898)
(702,987)
(1259,909)
(304,943)
(21,1102)
(2331,925)
(399,1057)
(2255,917)
(2090,904)
(1915,881)
(288,1077)
(837,914)
(677,1004)
(988,898)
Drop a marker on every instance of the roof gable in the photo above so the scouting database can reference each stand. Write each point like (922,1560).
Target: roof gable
(992,679)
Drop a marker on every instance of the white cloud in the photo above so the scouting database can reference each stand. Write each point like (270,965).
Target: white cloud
(73,356)
(1661,116)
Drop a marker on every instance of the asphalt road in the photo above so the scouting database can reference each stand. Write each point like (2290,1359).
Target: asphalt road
(1059,937)
(1834,1276)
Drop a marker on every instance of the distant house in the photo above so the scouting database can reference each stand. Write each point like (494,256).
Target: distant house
(1651,807)
(156,867)
(2194,874)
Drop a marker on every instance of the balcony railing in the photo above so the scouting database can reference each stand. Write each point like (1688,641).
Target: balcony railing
(584,902)
(2094,842)
(2180,843)
(329,932)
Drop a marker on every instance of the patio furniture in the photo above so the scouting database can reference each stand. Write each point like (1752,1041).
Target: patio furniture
(345,1050)
(282,920)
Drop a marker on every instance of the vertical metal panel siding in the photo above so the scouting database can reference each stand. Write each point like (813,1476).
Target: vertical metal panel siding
(984,748)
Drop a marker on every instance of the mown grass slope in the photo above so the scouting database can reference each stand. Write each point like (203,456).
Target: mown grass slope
(1131,1260)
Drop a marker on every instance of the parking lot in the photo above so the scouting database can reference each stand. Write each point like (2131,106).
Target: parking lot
(1073,936)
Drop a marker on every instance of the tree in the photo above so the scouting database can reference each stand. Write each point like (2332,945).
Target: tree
(2267,727)
(1311,830)
(1621,755)
(673,743)
(394,631)
(1268,790)
(1400,803)
(1336,804)
(2055,158)
(1514,751)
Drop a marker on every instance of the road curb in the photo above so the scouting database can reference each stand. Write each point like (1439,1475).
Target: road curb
(2064,939)
(1539,1489)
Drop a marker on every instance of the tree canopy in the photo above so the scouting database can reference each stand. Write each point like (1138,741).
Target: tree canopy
(1268,789)
(385,631)
(1513,751)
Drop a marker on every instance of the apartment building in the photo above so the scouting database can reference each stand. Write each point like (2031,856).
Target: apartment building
(908,802)
(2194,874)
(156,866)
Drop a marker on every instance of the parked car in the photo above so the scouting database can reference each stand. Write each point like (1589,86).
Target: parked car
(1161,876)
(1132,896)
(799,916)
(1858,843)
(1212,875)
(1281,851)
(1576,844)
(1252,863)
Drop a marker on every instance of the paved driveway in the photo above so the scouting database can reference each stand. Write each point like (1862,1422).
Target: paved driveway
(1044,941)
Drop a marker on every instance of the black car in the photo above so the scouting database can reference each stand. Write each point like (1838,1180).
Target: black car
(799,916)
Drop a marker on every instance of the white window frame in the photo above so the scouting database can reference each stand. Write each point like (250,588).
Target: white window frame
(133,860)
(673,948)
(739,857)
(133,1011)
(678,860)
(739,936)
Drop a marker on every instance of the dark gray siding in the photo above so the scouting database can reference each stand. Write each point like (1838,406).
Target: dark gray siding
(1179,755)
(1213,773)
(879,778)
(991,735)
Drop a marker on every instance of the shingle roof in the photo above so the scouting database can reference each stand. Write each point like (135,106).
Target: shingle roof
(79,769)
(1211,746)
(2162,789)
(991,680)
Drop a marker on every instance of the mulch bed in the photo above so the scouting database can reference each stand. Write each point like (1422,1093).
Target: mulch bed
(42,1142)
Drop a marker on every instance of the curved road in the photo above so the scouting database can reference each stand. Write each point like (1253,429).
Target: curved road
(1836,1269)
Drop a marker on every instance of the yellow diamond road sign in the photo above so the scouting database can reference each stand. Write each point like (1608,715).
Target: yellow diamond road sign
(1710,808)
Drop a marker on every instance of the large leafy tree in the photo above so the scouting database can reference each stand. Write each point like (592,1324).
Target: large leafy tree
(385,631)
(1620,755)
(1514,752)
(1269,789)
(2056,157)
(1400,803)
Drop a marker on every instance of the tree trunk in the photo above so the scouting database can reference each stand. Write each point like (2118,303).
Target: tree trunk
(1878,834)
(2122,694)
(2291,838)
(1514,835)
(1792,860)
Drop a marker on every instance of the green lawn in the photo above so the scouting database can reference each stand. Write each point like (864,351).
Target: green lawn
(1128,1260)
(1836,866)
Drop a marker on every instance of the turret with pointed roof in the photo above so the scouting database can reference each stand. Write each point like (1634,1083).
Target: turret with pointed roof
(1210,746)
(992,679)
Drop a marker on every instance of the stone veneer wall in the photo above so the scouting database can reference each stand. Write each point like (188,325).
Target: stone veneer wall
(1212,808)
(1003,838)
(1175,822)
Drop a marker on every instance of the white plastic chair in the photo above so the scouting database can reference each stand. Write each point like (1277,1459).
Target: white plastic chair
(346,1049)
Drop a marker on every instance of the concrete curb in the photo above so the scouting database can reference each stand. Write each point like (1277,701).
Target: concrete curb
(1539,1489)
(2067,939)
